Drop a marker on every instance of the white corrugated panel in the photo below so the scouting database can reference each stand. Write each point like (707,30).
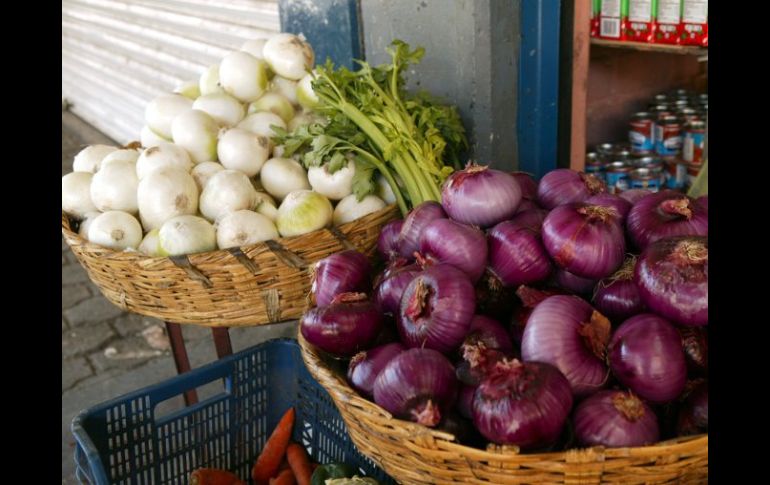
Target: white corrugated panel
(118,55)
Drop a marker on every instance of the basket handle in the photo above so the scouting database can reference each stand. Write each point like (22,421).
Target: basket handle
(245,261)
(184,263)
(342,238)
(287,257)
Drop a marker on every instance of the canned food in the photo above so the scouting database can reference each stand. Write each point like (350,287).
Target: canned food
(703,97)
(688,114)
(661,98)
(643,178)
(641,134)
(668,136)
(617,176)
(681,103)
(654,164)
(692,173)
(694,140)
(676,174)
(681,92)
(604,149)
(594,164)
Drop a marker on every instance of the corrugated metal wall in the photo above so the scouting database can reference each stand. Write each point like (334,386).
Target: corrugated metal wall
(118,55)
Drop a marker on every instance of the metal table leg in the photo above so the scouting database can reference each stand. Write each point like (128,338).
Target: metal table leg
(222,341)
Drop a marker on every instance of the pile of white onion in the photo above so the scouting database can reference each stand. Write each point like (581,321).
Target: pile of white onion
(207,174)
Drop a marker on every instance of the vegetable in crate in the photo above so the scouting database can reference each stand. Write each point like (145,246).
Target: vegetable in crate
(272,454)
(213,476)
(299,461)
(330,472)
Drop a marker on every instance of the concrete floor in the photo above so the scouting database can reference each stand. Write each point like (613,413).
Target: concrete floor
(107,352)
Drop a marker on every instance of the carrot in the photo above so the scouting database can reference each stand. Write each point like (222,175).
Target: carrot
(299,463)
(286,477)
(270,459)
(212,476)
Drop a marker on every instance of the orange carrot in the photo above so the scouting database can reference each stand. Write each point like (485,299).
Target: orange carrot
(212,476)
(286,477)
(270,459)
(299,463)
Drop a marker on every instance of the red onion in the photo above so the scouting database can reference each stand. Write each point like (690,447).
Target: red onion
(663,215)
(348,325)
(672,277)
(387,242)
(465,401)
(615,419)
(388,292)
(462,246)
(575,284)
(517,255)
(530,298)
(523,404)
(490,332)
(621,205)
(343,272)
(586,240)
(694,414)
(366,365)
(409,239)
(480,196)
(531,219)
(634,195)
(695,346)
(418,385)
(703,201)
(527,205)
(617,296)
(478,361)
(436,309)
(566,332)
(565,186)
(527,184)
(645,354)
(492,298)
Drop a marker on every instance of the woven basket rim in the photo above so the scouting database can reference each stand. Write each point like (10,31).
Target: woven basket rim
(323,374)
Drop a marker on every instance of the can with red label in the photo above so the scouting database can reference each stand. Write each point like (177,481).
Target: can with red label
(612,18)
(641,20)
(668,136)
(694,139)
(596,6)
(640,133)
(617,176)
(688,114)
(695,22)
(594,165)
(668,21)
(676,174)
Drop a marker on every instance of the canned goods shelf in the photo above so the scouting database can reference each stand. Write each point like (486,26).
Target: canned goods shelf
(642,46)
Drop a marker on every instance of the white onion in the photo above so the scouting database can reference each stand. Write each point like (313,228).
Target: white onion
(150,245)
(76,194)
(286,88)
(384,190)
(165,154)
(188,89)
(196,132)
(226,110)
(334,186)
(254,47)
(149,138)
(124,155)
(113,188)
(186,235)
(203,172)
(278,151)
(305,94)
(242,150)
(90,158)
(243,76)
(244,228)
(349,209)
(88,218)
(161,111)
(274,103)
(227,191)
(303,211)
(165,193)
(259,123)
(279,176)
(266,206)
(303,119)
(289,56)
(209,81)
(115,230)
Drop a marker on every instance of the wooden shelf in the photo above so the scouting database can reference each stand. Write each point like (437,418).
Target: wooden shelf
(641,46)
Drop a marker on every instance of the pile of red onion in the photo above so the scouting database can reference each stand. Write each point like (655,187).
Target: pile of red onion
(516,310)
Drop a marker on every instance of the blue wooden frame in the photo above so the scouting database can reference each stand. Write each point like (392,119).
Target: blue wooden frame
(538,97)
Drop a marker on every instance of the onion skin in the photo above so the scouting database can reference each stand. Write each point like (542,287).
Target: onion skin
(527,184)
(465,401)
(575,284)
(388,292)
(566,332)
(617,296)
(565,186)
(415,222)
(621,205)
(493,299)
(615,419)
(646,355)
(346,271)
(633,195)
(436,309)
(663,215)
(490,332)
(694,414)
(366,365)
(530,298)
(703,201)
(516,255)
(672,277)
(531,219)
(527,205)
(695,346)
(418,385)
(480,196)
(387,242)
(462,246)
(534,395)
(348,325)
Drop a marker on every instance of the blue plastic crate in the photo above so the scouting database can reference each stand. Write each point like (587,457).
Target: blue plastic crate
(123,441)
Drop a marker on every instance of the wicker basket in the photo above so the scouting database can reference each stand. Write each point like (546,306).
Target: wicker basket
(264,283)
(414,454)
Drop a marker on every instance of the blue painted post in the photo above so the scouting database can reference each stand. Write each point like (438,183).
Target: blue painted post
(331,26)
(538,86)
